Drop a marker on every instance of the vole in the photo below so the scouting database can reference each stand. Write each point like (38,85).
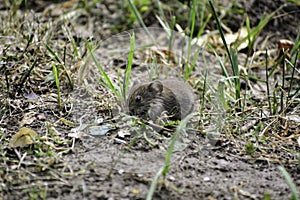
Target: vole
(150,100)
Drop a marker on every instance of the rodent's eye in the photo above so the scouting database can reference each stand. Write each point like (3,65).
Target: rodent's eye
(138,99)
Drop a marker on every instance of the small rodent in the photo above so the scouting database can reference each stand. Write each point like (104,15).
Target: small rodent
(151,100)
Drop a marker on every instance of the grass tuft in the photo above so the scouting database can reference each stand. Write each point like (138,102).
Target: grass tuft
(107,82)
(232,55)
(120,91)
(62,64)
(126,80)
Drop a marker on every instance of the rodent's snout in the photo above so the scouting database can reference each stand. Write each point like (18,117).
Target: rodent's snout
(134,111)
(136,108)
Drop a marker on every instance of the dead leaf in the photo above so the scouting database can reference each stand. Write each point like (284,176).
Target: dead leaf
(122,133)
(294,118)
(231,38)
(28,119)
(99,130)
(285,44)
(24,137)
(238,36)
(67,122)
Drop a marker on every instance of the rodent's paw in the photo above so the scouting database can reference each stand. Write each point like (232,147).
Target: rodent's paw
(156,111)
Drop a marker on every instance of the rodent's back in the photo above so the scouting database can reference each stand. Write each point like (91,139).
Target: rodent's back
(184,95)
(150,100)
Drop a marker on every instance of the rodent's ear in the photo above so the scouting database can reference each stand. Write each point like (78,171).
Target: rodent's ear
(155,87)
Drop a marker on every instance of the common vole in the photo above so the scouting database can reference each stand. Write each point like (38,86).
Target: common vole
(151,100)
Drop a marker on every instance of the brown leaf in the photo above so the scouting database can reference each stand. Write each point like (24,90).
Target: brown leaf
(28,119)
(24,137)
(67,122)
(285,44)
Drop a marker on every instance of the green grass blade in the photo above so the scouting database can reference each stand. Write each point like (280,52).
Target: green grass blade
(224,70)
(153,184)
(128,68)
(164,170)
(201,21)
(232,55)
(56,78)
(250,41)
(204,91)
(276,65)
(108,84)
(188,68)
(71,39)
(174,137)
(221,95)
(162,15)
(53,54)
(236,73)
(264,20)
(292,77)
(221,32)
(296,45)
(282,86)
(267,83)
(139,17)
(290,183)
(60,62)
(26,75)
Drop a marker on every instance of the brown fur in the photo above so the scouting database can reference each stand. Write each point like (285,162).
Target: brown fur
(150,100)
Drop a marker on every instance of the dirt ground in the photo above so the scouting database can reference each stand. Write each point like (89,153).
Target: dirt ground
(122,163)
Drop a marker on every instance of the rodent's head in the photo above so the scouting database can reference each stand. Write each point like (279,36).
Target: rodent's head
(139,100)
